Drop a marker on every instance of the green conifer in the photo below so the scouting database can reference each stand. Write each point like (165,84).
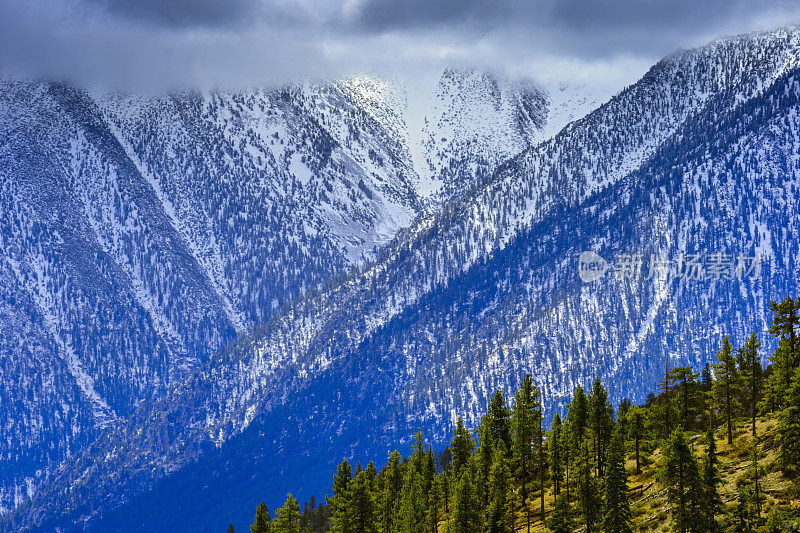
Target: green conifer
(466,508)
(711,480)
(616,507)
(679,474)
(556,445)
(726,385)
(262,521)
(287,518)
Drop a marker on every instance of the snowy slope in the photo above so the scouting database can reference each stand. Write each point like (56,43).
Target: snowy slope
(141,234)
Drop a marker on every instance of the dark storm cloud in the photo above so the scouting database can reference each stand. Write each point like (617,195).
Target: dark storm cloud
(183,12)
(235,42)
(379,15)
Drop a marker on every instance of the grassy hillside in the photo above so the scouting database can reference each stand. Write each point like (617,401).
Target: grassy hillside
(649,506)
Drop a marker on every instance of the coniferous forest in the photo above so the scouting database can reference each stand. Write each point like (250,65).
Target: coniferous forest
(714,449)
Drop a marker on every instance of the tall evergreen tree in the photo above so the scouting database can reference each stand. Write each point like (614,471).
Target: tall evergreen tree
(361,509)
(578,415)
(789,428)
(462,445)
(752,375)
(541,466)
(524,424)
(411,512)
(679,474)
(339,502)
(575,429)
(727,383)
(435,504)
(706,379)
(486,447)
(616,507)
(262,521)
(498,518)
(561,520)
(786,325)
(287,518)
(392,485)
(587,491)
(556,456)
(622,419)
(466,508)
(498,418)
(686,380)
(601,418)
(711,480)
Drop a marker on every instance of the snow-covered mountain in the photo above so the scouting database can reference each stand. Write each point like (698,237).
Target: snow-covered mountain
(139,235)
(701,155)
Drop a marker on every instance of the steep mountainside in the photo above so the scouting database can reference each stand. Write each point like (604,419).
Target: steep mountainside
(701,155)
(466,131)
(138,235)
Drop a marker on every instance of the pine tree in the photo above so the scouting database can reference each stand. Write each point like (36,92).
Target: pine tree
(498,519)
(372,475)
(462,445)
(727,383)
(622,419)
(392,485)
(777,383)
(486,448)
(262,521)
(785,326)
(587,491)
(498,419)
(578,415)
(752,374)
(711,480)
(789,429)
(538,421)
(601,416)
(577,419)
(561,521)
(435,503)
(339,502)
(418,455)
(411,509)
(361,509)
(428,472)
(556,456)
(706,380)
(686,379)
(679,474)
(616,507)
(524,432)
(287,518)
(466,508)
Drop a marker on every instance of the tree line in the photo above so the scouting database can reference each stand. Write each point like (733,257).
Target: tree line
(496,479)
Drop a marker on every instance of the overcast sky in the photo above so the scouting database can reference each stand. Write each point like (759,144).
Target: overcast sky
(172,43)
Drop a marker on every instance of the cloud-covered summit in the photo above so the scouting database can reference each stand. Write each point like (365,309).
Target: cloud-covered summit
(149,43)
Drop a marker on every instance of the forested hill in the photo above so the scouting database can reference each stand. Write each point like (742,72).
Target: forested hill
(717,449)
